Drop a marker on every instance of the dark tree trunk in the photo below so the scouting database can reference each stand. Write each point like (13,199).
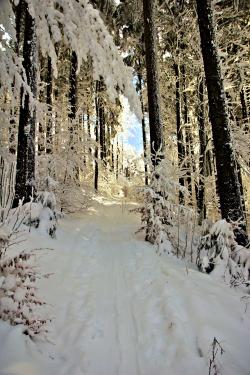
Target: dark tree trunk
(243,104)
(19,11)
(227,177)
(112,157)
(89,132)
(102,131)
(117,159)
(155,123)
(12,133)
(180,142)
(244,109)
(25,169)
(82,138)
(49,90)
(42,97)
(101,118)
(202,138)
(72,97)
(239,170)
(143,123)
(96,173)
(188,138)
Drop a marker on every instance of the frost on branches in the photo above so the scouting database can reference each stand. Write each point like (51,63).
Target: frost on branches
(12,73)
(218,252)
(78,25)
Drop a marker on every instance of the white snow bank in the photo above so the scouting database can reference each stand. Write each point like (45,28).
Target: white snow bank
(120,309)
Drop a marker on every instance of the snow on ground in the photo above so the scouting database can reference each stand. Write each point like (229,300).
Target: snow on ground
(119,309)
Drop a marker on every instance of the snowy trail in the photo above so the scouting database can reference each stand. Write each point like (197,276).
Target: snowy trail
(122,310)
(103,328)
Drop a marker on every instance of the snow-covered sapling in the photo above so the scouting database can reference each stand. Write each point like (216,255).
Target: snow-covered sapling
(19,303)
(219,252)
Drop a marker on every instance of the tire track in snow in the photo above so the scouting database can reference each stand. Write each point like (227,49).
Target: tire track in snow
(127,331)
(117,335)
(139,372)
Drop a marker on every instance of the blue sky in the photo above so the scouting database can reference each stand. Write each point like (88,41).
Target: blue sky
(132,130)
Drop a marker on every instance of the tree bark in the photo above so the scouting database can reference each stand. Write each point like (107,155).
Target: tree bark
(102,121)
(155,122)
(49,89)
(25,169)
(227,178)
(112,157)
(180,141)
(244,110)
(89,134)
(188,135)
(117,159)
(72,97)
(202,138)
(19,11)
(144,139)
(96,172)
(42,97)
(19,20)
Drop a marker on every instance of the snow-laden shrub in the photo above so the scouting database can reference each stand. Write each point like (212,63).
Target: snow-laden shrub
(73,198)
(70,189)
(160,213)
(19,303)
(42,213)
(218,252)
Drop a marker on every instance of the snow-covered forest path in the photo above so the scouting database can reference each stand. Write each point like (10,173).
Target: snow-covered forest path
(119,309)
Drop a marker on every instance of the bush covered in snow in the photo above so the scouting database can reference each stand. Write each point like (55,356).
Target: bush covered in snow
(218,252)
(73,198)
(42,213)
(160,213)
(19,303)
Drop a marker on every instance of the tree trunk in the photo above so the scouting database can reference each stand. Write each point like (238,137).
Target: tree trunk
(102,122)
(19,11)
(117,159)
(227,178)
(25,169)
(243,104)
(19,20)
(188,137)
(89,133)
(49,89)
(244,110)
(155,123)
(144,139)
(112,157)
(42,97)
(72,97)
(96,173)
(180,142)
(202,138)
